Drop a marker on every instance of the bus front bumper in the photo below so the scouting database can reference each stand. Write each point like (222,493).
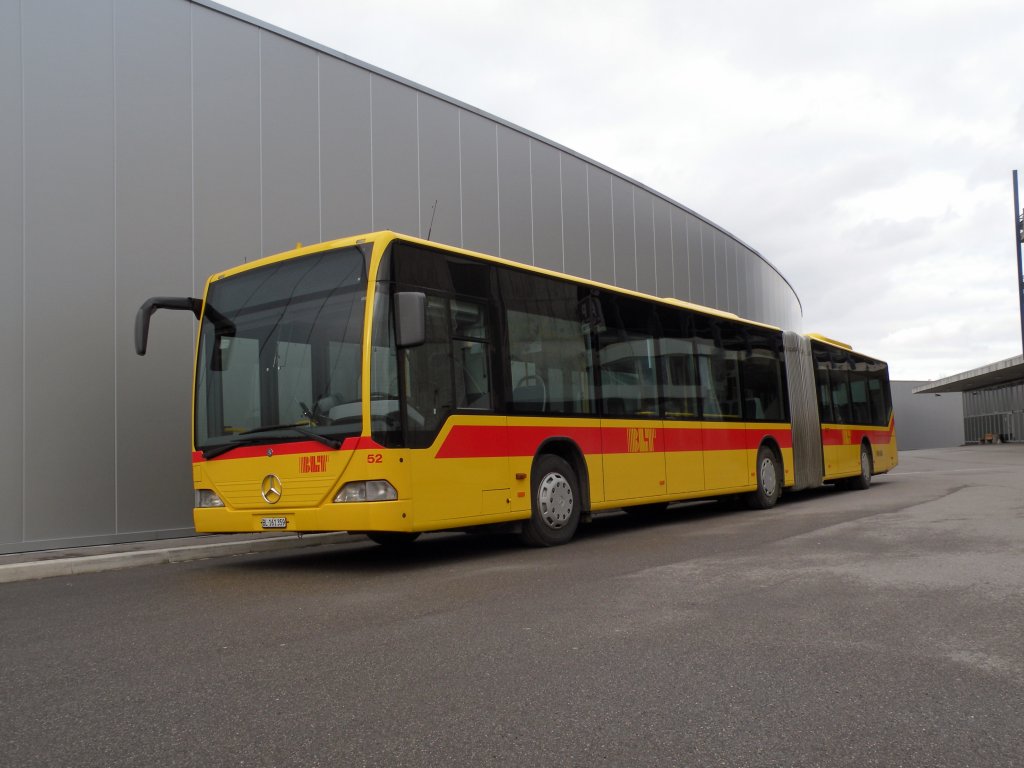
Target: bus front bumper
(352,516)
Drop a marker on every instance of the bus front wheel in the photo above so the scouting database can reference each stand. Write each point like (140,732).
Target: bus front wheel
(769,480)
(555,511)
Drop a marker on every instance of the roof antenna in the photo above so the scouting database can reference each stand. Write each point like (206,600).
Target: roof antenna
(432,212)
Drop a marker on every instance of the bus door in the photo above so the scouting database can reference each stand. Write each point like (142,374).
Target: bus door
(723,436)
(461,470)
(684,450)
(632,431)
(842,452)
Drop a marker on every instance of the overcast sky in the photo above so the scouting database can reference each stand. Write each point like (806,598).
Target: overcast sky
(863,148)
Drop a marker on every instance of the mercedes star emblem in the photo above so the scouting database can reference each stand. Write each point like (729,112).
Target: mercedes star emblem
(270,489)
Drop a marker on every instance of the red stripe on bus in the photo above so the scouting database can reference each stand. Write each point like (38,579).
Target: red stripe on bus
(289,449)
(739,439)
(470,441)
(784,437)
(833,435)
(724,439)
(679,440)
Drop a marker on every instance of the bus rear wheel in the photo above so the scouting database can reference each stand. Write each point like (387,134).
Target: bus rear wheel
(862,481)
(769,480)
(555,514)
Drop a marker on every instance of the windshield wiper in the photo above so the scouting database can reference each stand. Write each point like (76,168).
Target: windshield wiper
(335,444)
(217,450)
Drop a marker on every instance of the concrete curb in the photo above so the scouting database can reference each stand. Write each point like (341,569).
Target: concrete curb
(74,566)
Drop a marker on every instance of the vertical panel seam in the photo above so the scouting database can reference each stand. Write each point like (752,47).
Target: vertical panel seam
(24,281)
(419,183)
(259,120)
(686,238)
(741,297)
(611,196)
(636,255)
(561,207)
(192,128)
(672,248)
(711,302)
(590,255)
(700,240)
(462,237)
(319,156)
(192,181)
(373,223)
(533,233)
(654,250)
(113,57)
(497,180)
(654,237)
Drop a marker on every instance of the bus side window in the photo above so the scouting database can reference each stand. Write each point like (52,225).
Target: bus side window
(549,365)
(626,354)
(824,391)
(860,405)
(876,393)
(840,392)
(763,392)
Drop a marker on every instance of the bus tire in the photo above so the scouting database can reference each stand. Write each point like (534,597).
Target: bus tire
(555,514)
(392,539)
(768,472)
(862,481)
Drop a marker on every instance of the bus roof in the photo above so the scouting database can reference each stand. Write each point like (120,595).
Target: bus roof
(827,340)
(388,235)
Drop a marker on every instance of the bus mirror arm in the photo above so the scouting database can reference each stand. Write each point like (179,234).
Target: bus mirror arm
(195,306)
(410,318)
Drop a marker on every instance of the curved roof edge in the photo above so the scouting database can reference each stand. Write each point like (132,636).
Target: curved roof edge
(992,375)
(227,11)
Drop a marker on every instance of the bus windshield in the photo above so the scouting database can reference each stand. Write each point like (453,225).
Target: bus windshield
(280,351)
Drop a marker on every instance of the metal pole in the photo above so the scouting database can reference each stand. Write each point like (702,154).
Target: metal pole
(1018,236)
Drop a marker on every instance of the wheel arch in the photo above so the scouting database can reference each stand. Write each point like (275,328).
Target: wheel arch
(769,442)
(567,450)
(866,443)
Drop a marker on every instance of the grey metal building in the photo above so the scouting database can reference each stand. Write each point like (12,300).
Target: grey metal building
(993,398)
(145,145)
(936,421)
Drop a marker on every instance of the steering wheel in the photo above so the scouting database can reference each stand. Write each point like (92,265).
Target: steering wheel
(532,379)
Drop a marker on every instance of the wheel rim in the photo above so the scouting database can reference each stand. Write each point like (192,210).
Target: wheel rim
(865,465)
(769,480)
(555,500)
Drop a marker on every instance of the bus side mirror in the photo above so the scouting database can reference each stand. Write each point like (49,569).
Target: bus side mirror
(152,305)
(410,318)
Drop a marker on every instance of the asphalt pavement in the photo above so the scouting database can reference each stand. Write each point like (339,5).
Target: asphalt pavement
(874,628)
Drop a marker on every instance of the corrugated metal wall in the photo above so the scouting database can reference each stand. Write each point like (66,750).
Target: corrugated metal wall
(144,145)
(994,411)
(927,420)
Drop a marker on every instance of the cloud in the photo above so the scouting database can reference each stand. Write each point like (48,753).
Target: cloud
(864,148)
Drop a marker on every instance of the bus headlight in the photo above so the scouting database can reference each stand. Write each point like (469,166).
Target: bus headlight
(207,498)
(367,490)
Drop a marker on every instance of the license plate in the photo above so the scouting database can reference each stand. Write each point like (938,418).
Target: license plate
(274,522)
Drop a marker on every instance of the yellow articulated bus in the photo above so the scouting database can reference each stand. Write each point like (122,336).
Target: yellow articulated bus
(389,385)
